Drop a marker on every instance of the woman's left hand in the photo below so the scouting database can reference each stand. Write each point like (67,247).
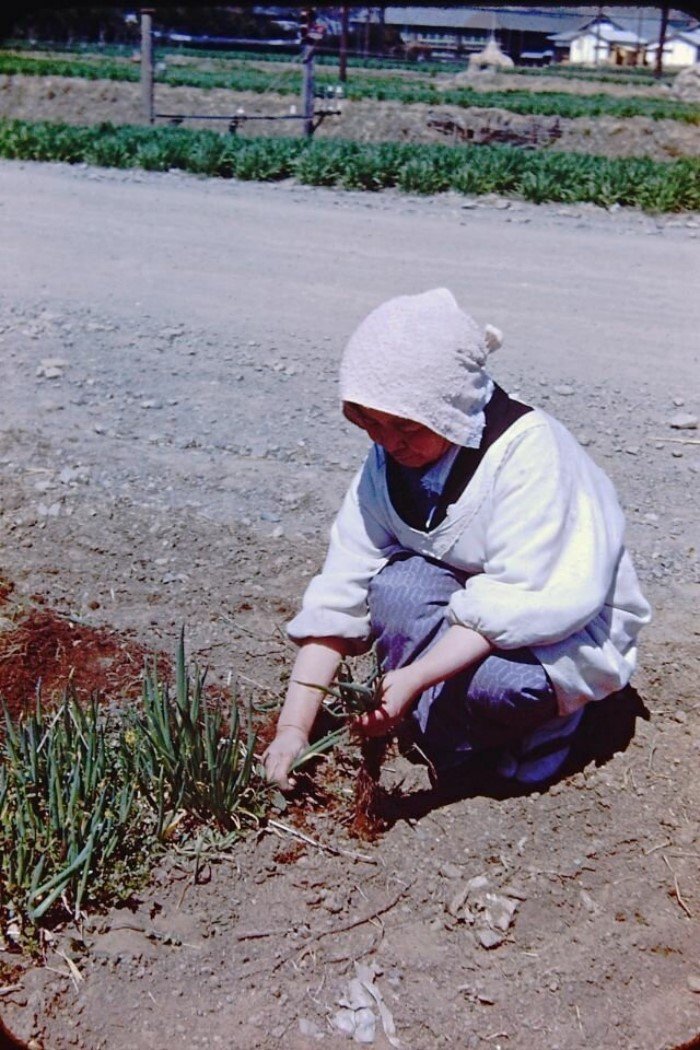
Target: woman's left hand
(398,691)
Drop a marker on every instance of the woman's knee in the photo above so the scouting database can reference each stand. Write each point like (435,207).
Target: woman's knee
(512,689)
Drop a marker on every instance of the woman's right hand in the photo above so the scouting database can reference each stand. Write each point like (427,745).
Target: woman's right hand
(280,754)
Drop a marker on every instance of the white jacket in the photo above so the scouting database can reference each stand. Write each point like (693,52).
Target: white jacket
(539,528)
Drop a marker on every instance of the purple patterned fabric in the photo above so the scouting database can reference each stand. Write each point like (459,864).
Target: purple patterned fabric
(505,703)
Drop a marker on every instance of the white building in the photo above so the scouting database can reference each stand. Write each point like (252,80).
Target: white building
(681,49)
(601,42)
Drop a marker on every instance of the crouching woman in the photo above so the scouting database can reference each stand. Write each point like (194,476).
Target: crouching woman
(479,547)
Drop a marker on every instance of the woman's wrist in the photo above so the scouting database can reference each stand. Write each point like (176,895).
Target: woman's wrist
(414,677)
(291,725)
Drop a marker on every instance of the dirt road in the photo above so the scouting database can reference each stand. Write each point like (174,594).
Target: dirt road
(171,451)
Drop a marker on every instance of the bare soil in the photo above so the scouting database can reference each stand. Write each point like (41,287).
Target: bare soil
(171,452)
(77,101)
(43,653)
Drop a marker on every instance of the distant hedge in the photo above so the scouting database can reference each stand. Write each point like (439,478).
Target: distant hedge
(533,175)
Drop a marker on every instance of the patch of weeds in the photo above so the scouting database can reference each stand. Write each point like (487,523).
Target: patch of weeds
(191,763)
(71,826)
(88,799)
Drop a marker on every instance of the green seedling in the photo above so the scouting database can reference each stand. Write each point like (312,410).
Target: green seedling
(349,698)
(87,799)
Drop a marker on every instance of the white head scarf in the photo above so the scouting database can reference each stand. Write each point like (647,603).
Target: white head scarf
(421,357)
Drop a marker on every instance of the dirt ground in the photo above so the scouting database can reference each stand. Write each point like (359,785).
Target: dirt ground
(171,452)
(86,102)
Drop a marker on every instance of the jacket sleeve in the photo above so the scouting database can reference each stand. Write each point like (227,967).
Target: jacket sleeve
(553,544)
(335,602)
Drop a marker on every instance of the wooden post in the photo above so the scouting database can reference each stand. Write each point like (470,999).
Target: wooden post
(307,89)
(307,60)
(343,66)
(659,66)
(147,63)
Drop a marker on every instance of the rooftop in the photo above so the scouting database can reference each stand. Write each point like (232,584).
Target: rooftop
(643,21)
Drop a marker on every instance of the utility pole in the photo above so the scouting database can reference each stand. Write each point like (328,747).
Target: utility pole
(598,46)
(343,64)
(307,60)
(659,66)
(147,63)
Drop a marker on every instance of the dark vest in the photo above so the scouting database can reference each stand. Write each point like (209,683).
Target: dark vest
(500,413)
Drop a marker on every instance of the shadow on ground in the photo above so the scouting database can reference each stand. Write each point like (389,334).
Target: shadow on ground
(606,729)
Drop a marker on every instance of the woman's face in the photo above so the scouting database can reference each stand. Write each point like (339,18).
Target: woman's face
(409,443)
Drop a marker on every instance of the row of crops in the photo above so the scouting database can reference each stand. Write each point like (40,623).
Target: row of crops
(533,175)
(364,86)
(603,75)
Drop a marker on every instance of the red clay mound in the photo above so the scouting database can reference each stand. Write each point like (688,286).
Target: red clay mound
(47,652)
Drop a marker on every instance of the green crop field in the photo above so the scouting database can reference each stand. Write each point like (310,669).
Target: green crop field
(604,75)
(243,77)
(532,175)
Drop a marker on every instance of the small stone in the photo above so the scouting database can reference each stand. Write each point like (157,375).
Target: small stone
(489,938)
(679,401)
(677,453)
(632,450)
(53,362)
(500,911)
(171,333)
(457,901)
(693,980)
(587,901)
(585,440)
(683,421)
(477,884)
(343,1021)
(564,390)
(51,511)
(69,474)
(451,871)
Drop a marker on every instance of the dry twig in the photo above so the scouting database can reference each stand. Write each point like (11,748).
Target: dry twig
(316,935)
(680,900)
(9,988)
(277,825)
(679,441)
